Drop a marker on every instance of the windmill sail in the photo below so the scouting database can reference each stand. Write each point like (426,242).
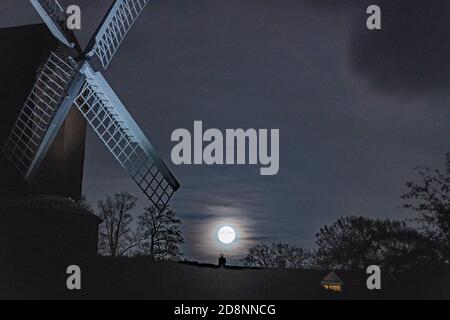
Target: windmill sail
(55,19)
(64,82)
(124,139)
(115,27)
(42,115)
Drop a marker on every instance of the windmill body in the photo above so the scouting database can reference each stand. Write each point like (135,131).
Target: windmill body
(40,218)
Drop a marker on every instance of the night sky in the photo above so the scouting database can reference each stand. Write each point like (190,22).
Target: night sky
(357,109)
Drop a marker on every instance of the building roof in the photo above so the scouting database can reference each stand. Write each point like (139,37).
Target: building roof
(332,278)
(50,202)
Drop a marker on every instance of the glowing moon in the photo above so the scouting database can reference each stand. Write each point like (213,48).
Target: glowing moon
(226,235)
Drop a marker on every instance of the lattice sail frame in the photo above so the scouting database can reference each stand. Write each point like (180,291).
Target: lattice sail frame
(64,82)
(55,19)
(118,22)
(42,115)
(124,139)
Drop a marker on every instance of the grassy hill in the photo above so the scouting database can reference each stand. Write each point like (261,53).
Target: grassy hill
(141,278)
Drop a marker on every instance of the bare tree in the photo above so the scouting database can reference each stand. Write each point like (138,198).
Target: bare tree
(430,197)
(277,255)
(159,234)
(115,237)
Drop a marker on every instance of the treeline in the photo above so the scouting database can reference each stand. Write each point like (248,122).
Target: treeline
(357,242)
(348,243)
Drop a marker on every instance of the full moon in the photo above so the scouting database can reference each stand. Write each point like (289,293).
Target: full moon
(226,235)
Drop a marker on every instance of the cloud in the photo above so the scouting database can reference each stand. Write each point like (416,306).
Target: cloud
(196,216)
(409,56)
(260,239)
(332,6)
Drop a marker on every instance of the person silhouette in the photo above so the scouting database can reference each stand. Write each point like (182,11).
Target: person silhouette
(222,261)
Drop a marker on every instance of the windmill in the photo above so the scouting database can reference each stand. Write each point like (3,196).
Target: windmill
(68,80)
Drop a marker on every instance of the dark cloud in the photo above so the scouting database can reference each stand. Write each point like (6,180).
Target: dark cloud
(411,53)
(409,56)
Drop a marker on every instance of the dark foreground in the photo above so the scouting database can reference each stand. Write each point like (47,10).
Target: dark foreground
(141,278)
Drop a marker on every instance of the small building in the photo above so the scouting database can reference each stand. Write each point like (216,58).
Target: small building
(222,261)
(332,282)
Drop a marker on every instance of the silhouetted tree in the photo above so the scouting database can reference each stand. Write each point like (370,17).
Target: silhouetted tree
(399,247)
(430,197)
(344,244)
(159,234)
(276,255)
(357,242)
(115,237)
